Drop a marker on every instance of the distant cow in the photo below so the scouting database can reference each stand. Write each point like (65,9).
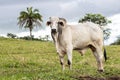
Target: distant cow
(76,37)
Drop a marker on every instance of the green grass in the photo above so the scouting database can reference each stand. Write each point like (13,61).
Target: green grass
(35,60)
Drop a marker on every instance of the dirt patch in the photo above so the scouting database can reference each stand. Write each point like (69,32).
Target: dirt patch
(94,78)
(114,78)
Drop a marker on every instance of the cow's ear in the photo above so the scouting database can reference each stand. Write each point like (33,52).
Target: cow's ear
(61,23)
(48,23)
(63,19)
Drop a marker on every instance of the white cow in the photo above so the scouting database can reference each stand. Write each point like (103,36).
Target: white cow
(76,37)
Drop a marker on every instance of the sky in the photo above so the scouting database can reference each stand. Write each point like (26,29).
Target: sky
(72,10)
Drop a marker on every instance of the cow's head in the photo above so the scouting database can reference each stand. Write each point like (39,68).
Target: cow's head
(56,24)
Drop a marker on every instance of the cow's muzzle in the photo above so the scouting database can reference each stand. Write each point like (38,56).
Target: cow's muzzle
(54,31)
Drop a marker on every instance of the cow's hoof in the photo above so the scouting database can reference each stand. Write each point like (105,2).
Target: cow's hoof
(101,70)
(81,54)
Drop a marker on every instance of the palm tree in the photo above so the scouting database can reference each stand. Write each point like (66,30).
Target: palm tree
(30,19)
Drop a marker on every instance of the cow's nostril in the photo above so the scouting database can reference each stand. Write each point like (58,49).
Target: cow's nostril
(53,31)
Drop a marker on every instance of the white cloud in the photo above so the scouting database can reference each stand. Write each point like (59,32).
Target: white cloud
(68,6)
(115,28)
(42,33)
(36,34)
(22,34)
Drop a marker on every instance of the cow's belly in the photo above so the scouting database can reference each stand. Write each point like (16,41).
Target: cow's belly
(79,45)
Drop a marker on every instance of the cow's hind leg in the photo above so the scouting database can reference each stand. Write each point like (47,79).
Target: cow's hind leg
(97,51)
(82,52)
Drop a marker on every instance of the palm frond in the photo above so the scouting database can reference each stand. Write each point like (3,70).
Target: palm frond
(22,23)
(37,23)
(23,13)
(35,10)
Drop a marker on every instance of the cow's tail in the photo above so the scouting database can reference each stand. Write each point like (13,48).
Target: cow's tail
(105,54)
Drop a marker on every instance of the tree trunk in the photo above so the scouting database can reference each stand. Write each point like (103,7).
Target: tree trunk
(31,33)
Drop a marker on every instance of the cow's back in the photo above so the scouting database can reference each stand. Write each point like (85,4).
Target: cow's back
(85,33)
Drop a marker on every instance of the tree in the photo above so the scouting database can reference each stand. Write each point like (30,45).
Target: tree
(27,37)
(47,37)
(10,35)
(117,42)
(98,19)
(30,19)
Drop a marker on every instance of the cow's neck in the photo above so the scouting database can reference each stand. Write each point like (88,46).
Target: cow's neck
(65,36)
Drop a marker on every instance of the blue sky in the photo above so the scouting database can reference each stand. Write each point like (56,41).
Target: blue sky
(72,10)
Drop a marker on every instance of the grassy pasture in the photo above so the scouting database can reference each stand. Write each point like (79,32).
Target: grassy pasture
(35,60)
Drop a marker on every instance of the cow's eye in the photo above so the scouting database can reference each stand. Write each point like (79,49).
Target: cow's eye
(48,23)
(61,23)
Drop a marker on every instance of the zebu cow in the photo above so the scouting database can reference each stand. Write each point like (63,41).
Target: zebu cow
(76,37)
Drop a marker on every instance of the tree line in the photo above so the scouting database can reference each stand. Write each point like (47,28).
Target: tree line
(14,36)
(117,42)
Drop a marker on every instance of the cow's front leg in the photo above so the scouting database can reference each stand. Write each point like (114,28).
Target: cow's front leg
(57,47)
(61,56)
(69,54)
